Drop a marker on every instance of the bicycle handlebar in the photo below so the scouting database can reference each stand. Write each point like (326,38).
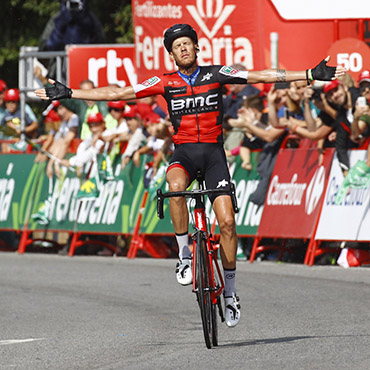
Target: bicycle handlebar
(194,194)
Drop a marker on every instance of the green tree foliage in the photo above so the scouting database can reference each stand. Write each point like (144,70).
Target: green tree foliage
(22,23)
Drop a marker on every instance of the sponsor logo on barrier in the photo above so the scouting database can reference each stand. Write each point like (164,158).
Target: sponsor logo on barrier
(354,198)
(6,196)
(6,193)
(315,190)
(101,210)
(291,194)
(286,194)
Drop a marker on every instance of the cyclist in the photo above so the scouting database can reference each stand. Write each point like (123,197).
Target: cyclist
(194,100)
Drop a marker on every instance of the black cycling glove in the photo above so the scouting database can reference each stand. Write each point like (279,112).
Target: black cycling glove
(58,91)
(321,72)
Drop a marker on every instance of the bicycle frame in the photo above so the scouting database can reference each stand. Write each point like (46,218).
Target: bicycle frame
(201,226)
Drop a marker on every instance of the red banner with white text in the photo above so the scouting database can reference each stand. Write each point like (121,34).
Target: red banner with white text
(102,64)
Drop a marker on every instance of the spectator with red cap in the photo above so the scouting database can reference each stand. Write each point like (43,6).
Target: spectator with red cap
(59,139)
(114,116)
(12,118)
(3,87)
(137,133)
(91,146)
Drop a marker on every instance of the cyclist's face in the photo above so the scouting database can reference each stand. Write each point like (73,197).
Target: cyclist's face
(183,52)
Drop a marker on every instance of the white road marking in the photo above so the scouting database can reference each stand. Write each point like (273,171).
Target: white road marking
(15,341)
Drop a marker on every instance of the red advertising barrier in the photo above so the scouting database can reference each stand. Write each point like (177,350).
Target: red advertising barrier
(294,198)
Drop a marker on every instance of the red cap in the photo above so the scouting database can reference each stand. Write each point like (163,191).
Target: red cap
(364,76)
(152,118)
(144,110)
(52,116)
(95,117)
(55,103)
(130,111)
(331,85)
(11,95)
(3,85)
(117,104)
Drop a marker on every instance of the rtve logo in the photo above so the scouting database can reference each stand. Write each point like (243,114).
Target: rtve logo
(111,63)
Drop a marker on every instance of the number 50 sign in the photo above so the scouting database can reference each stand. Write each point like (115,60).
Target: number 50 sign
(352,54)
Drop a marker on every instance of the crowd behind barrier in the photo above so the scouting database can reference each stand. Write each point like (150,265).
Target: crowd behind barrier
(90,169)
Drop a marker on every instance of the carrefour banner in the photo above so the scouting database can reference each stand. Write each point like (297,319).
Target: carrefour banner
(228,32)
(350,219)
(113,208)
(295,193)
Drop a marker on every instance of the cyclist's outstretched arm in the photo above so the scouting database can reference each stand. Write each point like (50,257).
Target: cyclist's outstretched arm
(108,93)
(320,72)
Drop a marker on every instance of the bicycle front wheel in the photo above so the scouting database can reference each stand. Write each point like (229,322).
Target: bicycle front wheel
(203,290)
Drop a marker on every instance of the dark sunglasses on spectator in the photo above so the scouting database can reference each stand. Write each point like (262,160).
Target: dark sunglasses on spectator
(116,109)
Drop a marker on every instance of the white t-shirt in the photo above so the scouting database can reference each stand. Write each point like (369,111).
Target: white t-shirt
(65,127)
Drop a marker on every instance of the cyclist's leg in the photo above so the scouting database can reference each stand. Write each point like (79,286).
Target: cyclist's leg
(178,181)
(224,211)
(217,176)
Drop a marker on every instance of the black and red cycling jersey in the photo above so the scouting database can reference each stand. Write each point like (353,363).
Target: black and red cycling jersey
(195,108)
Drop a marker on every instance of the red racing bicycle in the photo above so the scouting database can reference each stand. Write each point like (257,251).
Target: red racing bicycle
(208,281)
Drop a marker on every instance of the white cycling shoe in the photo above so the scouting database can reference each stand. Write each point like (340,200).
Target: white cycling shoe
(184,271)
(232,310)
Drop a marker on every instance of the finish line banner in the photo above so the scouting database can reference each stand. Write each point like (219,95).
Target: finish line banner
(24,188)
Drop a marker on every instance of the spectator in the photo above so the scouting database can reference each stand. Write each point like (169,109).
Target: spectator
(273,138)
(137,133)
(91,146)
(152,101)
(84,108)
(114,116)
(236,96)
(74,23)
(233,137)
(252,111)
(157,131)
(359,175)
(3,88)
(59,140)
(338,117)
(12,118)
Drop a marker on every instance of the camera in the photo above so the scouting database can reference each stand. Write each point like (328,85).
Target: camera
(74,5)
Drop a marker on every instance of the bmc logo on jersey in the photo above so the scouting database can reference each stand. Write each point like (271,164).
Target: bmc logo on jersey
(196,104)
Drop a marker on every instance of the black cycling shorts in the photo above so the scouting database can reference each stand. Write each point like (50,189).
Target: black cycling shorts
(209,158)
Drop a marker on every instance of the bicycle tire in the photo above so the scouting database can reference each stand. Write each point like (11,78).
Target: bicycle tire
(203,290)
(216,307)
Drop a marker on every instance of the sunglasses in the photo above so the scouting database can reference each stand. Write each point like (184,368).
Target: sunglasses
(115,109)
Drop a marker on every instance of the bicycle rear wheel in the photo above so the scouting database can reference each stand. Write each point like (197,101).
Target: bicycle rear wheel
(203,289)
